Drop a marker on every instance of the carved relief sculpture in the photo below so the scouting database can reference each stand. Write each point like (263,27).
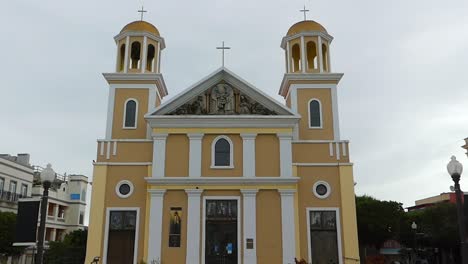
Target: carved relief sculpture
(222,99)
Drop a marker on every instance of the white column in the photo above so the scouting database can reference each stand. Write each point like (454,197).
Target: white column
(303,55)
(155,225)
(195,154)
(320,57)
(159,155)
(288,57)
(193,226)
(285,155)
(127,48)
(144,54)
(250,225)
(158,63)
(248,154)
(288,227)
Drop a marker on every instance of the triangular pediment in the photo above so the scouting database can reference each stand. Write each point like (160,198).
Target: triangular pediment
(222,93)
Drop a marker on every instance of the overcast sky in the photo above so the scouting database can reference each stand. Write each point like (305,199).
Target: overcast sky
(402,101)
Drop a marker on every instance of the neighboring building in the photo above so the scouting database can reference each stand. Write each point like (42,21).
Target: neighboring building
(223,173)
(16,179)
(449,197)
(66,206)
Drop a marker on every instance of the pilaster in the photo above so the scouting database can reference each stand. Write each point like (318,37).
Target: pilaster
(285,155)
(250,225)
(248,154)
(159,155)
(288,225)
(195,154)
(155,227)
(193,226)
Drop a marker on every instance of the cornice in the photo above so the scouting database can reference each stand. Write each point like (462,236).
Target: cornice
(156,77)
(326,36)
(140,34)
(226,181)
(307,77)
(228,121)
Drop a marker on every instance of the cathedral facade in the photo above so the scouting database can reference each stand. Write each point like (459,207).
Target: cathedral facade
(222,173)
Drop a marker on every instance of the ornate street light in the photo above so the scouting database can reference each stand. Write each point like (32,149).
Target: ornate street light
(47,177)
(455,170)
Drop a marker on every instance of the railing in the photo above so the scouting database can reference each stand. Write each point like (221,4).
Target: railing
(10,196)
(60,177)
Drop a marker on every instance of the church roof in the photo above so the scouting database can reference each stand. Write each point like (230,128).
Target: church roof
(201,101)
(141,26)
(305,26)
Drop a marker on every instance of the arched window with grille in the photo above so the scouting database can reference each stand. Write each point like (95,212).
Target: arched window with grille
(222,153)
(130,113)
(315,113)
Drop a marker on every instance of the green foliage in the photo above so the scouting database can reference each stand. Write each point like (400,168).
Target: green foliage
(378,220)
(7,234)
(437,227)
(71,250)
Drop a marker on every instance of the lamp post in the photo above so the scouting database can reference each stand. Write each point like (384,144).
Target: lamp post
(455,170)
(414,226)
(47,177)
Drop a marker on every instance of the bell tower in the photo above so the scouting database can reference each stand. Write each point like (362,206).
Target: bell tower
(137,85)
(309,85)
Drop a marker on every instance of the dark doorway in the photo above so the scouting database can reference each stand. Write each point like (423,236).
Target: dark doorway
(121,241)
(221,232)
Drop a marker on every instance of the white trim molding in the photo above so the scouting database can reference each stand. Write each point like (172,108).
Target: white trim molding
(288,224)
(106,231)
(193,226)
(195,154)
(338,230)
(324,183)
(159,155)
(248,149)
(155,228)
(125,114)
(285,154)
(320,113)
(226,181)
(213,153)
(239,215)
(249,224)
(120,183)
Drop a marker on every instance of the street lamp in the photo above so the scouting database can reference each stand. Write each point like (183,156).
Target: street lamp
(47,177)
(455,170)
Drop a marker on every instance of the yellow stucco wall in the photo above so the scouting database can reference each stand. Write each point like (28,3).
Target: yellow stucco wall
(269,238)
(177,155)
(128,152)
(121,95)
(318,153)
(267,158)
(175,198)
(134,174)
(96,214)
(303,98)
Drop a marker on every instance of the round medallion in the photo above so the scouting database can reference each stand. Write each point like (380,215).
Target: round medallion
(321,189)
(124,189)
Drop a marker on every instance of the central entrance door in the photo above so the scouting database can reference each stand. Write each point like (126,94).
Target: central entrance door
(221,231)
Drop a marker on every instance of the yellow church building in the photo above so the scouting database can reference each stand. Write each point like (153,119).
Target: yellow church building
(222,173)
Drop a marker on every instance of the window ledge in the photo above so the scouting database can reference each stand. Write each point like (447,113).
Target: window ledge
(315,127)
(222,167)
(129,128)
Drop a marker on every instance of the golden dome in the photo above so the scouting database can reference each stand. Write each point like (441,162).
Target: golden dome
(304,26)
(141,26)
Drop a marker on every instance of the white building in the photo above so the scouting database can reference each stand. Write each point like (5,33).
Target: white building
(16,180)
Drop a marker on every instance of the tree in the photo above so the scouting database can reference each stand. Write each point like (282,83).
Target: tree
(378,220)
(71,250)
(7,234)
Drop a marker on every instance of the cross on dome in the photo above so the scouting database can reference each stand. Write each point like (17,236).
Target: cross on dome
(304,11)
(223,48)
(142,11)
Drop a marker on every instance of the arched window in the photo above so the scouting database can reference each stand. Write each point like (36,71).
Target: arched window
(222,153)
(296,58)
(315,114)
(325,57)
(150,58)
(130,113)
(311,55)
(121,57)
(135,55)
